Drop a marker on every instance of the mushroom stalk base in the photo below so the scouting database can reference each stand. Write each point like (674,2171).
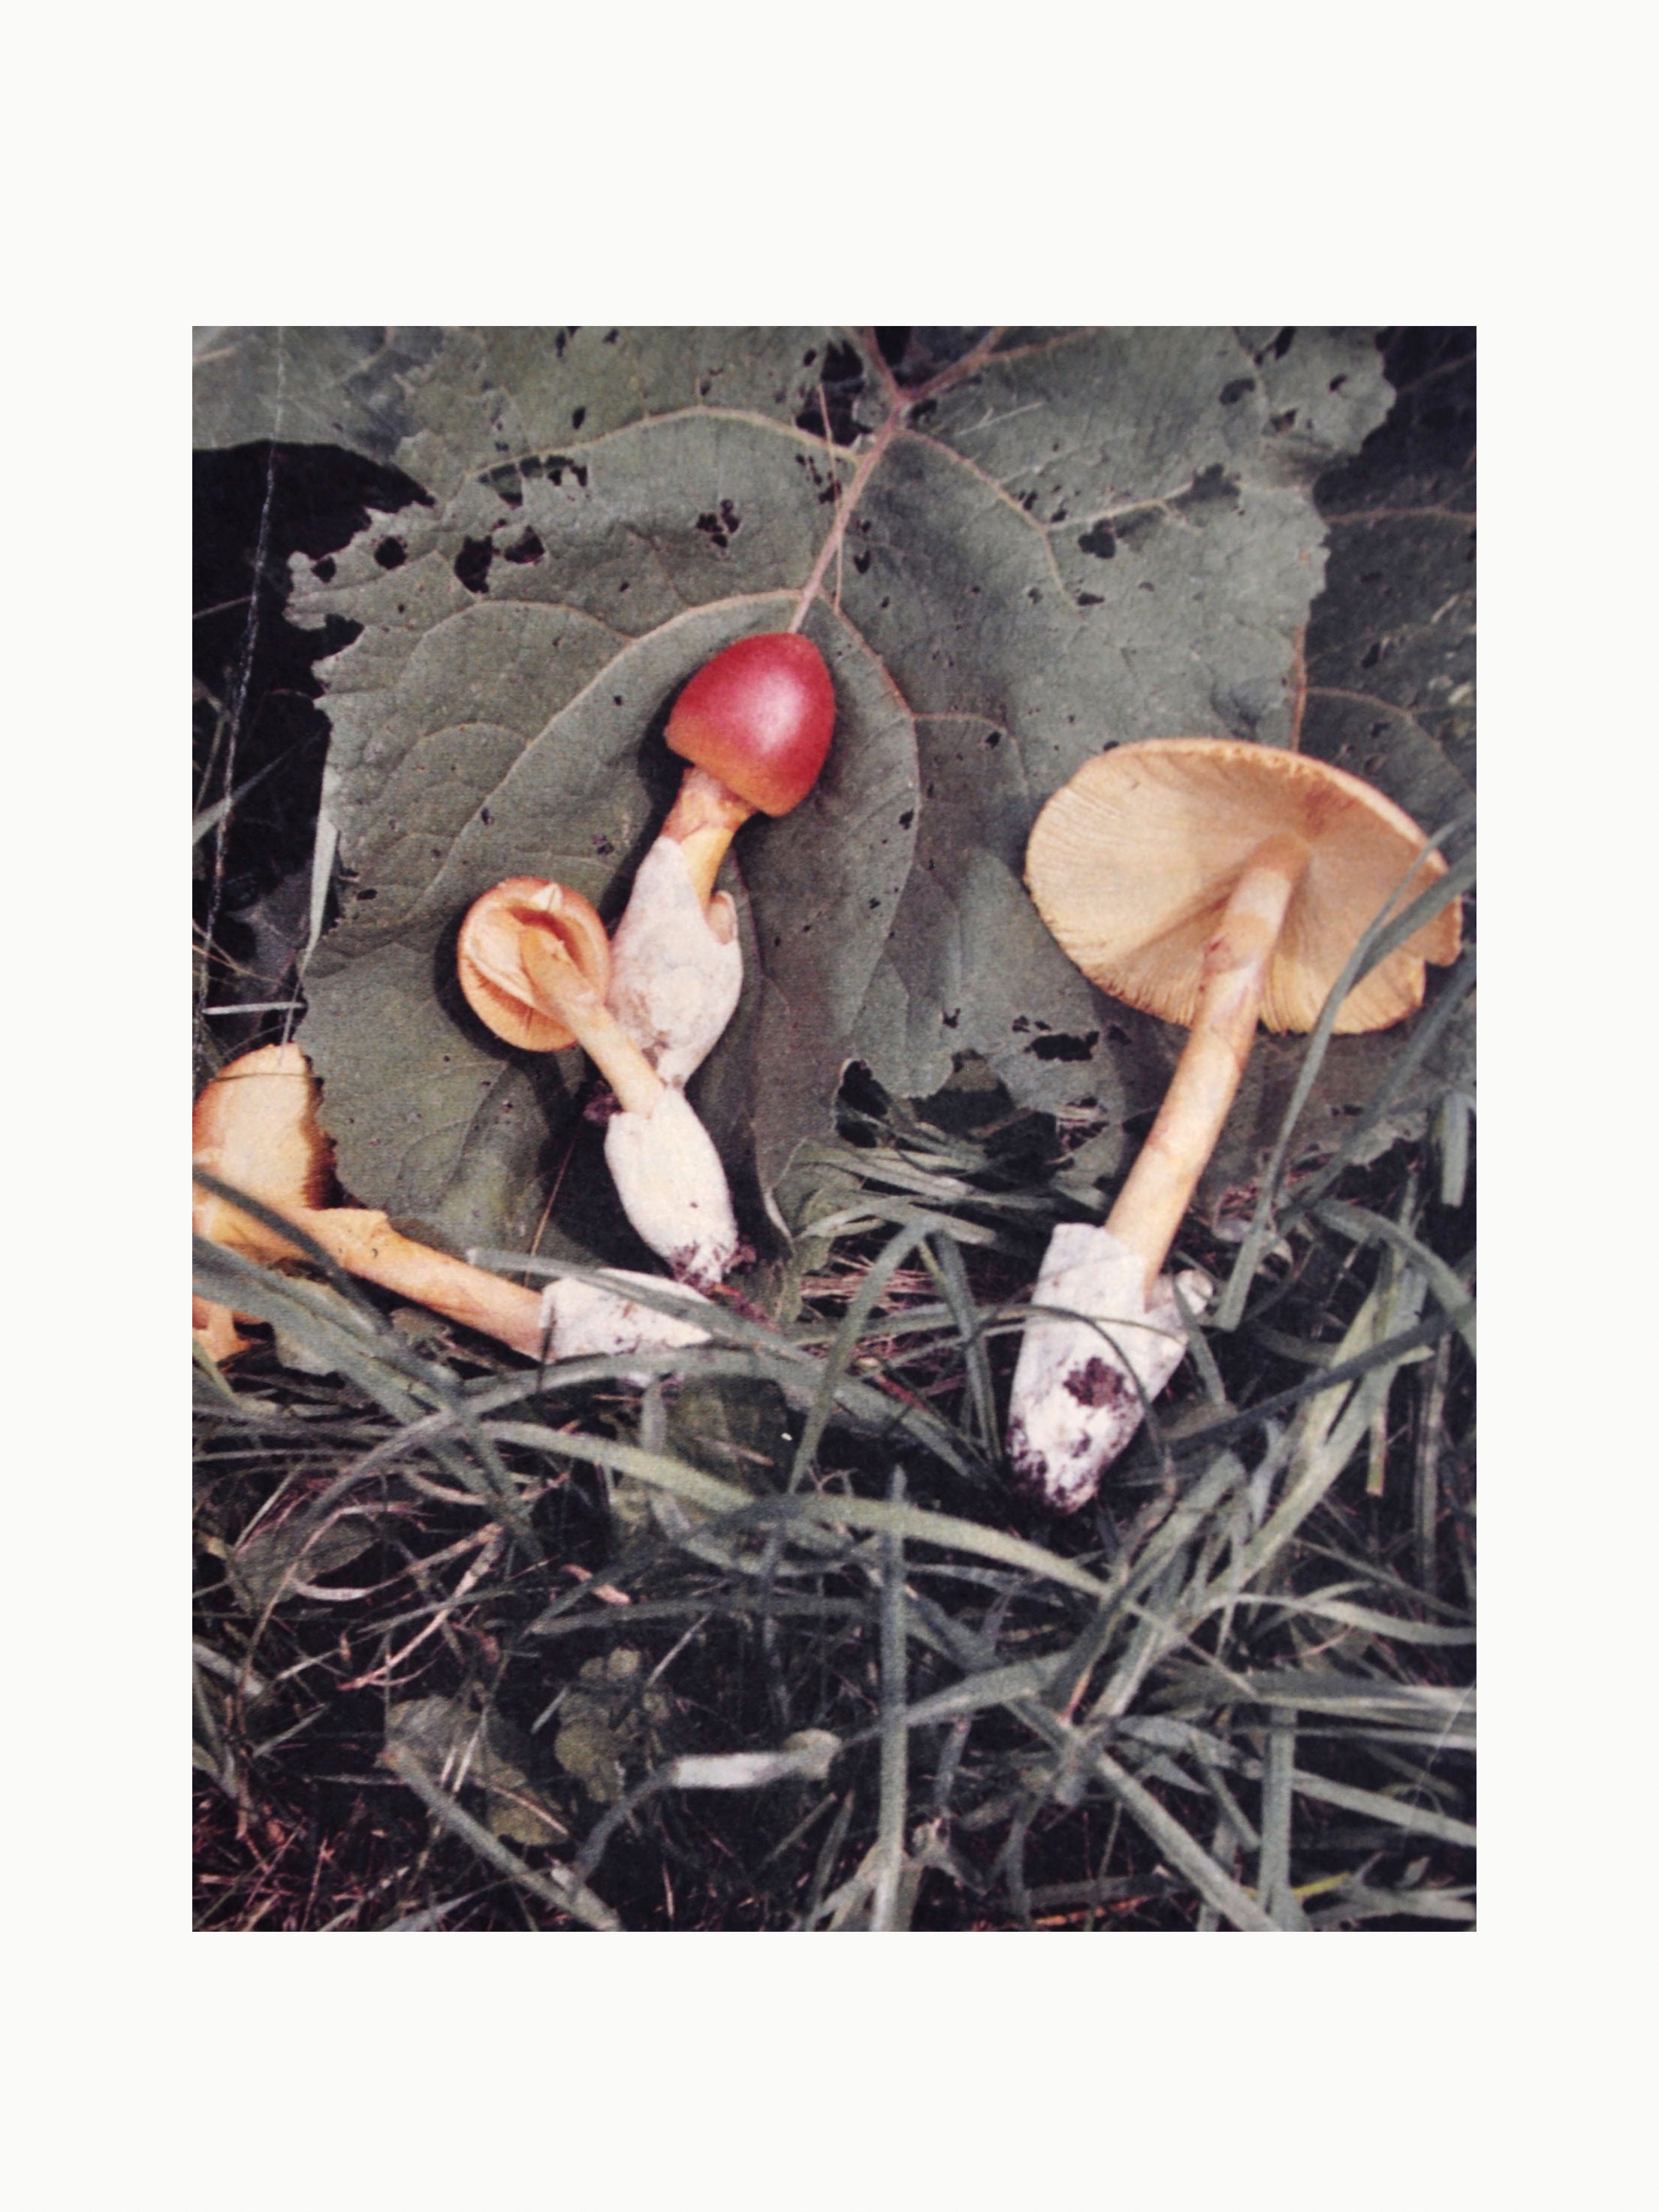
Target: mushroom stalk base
(1082,1386)
(1160,1187)
(704,820)
(587,1322)
(672,1188)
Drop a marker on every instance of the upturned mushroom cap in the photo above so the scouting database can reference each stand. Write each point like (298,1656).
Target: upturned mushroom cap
(1132,862)
(759,716)
(490,957)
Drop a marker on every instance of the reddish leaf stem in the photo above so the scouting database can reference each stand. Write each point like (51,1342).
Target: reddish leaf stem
(957,370)
(899,404)
(884,438)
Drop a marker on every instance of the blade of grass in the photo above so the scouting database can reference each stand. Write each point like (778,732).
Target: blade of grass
(1451,1131)
(1364,1227)
(1382,938)
(1422,1041)
(798,1372)
(919,1525)
(384,1369)
(944,1261)
(1311,1690)
(824,1867)
(556,1887)
(1415,1819)
(895,1737)
(1360,1903)
(1136,1569)
(1273,1859)
(882,1269)
(1358,1616)
(1183,1850)
(1388,1353)
(1426,1499)
(1321,1447)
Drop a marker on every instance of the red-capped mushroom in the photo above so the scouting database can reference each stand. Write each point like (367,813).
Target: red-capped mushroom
(755,723)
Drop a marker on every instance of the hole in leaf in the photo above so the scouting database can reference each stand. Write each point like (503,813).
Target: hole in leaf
(720,528)
(472,564)
(1061,1047)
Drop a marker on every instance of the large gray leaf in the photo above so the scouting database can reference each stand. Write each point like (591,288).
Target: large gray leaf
(1095,536)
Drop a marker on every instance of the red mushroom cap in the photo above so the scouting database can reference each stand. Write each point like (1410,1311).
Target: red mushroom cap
(758,716)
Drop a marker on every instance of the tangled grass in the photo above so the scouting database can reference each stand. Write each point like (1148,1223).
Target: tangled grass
(754,1634)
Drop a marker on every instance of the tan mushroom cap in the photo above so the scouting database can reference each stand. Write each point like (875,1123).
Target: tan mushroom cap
(255,1126)
(490,957)
(1132,862)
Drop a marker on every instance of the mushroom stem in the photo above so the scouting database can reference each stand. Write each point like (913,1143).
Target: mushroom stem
(566,991)
(676,965)
(704,818)
(1151,1203)
(662,1160)
(365,1244)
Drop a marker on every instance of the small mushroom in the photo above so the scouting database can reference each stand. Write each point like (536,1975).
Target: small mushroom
(255,1127)
(489,957)
(755,723)
(1213,883)
(514,957)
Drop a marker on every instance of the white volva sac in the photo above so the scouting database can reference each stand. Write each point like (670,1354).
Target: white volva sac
(676,970)
(672,1187)
(583,1321)
(1075,1404)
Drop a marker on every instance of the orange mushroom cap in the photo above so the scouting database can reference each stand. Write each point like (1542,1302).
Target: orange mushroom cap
(1132,863)
(490,957)
(255,1127)
(759,717)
